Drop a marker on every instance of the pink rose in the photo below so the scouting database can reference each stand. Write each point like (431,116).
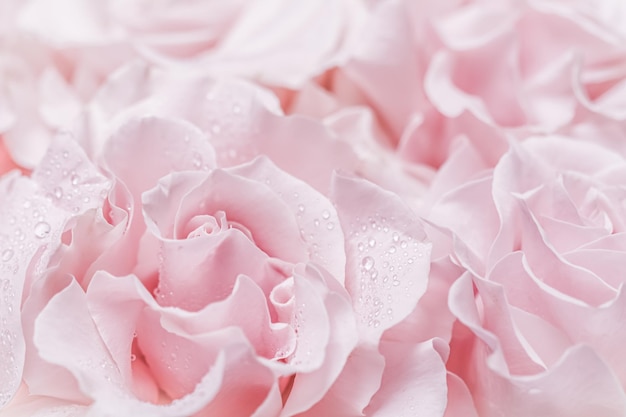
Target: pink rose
(163,285)
(434,72)
(540,238)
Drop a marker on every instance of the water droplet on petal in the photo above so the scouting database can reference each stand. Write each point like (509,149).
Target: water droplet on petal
(330,226)
(371,243)
(74,179)
(133,357)
(367,263)
(7,254)
(197,160)
(301,208)
(42,229)
(325,215)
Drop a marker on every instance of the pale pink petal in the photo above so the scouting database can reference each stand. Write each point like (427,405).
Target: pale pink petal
(465,210)
(315,215)
(447,97)
(69,179)
(174,145)
(39,406)
(387,68)
(31,227)
(460,402)
(579,384)
(360,378)
(270,340)
(475,24)
(76,345)
(177,360)
(388,256)
(286,54)
(414,381)
(59,105)
(431,317)
(578,321)
(43,377)
(208,269)
(554,270)
(318,296)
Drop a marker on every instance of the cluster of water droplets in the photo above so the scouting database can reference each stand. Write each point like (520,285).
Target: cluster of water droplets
(24,229)
(72,183)
(105,369)
(313,224)
(30,219)
(301,356)
(174,358)
(317,219)
(228,126)
(385,257)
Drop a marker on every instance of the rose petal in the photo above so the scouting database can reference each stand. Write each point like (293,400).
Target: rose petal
(312,320)
(387,254)
(459,398)
(355,386)
(174,145)
(580,384)
(414,379)
(314,214)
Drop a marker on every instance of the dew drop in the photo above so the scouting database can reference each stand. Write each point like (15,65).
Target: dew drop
(301,208)
(360,247)
(42,229)
(371,243)
(74,179)
(330,226)
(373,274)
(392,249)
(316,222)
(367,263)
(7,254)
(197,160)
(395,237)
(133,357)
(325,215)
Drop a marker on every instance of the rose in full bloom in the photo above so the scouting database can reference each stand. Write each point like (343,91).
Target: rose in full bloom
(540,238)
(159,283)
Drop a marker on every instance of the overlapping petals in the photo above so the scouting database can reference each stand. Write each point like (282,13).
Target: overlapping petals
(545,292)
